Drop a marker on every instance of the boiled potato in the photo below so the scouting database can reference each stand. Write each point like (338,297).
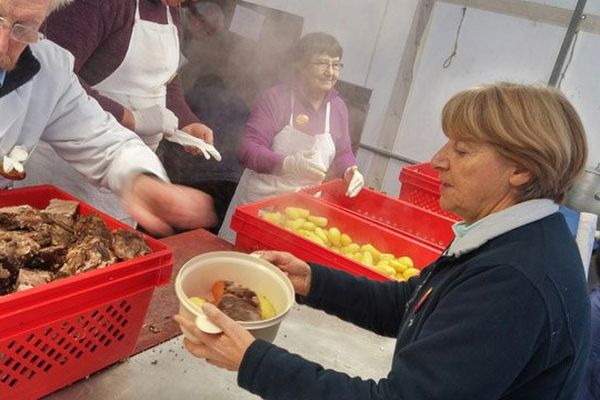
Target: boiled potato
(296,212)
(334,236)
(345,240)
(409,273)
(267,310)
(318,221)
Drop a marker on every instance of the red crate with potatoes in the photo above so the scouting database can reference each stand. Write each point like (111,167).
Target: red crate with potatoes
(256,232)
(407,218)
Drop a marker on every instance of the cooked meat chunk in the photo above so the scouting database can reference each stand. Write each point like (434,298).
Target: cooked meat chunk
(90,253)
(239,303)
(37,246)
(31,278)
(20,217)
(129,244)
(92,225)
(63,212)
(8,276)
(49,258)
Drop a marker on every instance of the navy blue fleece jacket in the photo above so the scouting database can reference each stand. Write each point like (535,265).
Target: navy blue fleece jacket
(509,320)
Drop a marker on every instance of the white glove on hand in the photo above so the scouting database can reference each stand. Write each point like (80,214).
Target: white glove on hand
(300,165)
(154,120)
(356,181)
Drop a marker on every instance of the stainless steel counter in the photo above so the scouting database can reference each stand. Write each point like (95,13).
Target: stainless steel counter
(167,371)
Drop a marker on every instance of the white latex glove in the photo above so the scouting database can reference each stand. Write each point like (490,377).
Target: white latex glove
(356,181)
(301,166)
(154,120)
(187,140)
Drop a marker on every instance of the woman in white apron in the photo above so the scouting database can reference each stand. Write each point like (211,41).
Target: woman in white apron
(138,83)
(306,156)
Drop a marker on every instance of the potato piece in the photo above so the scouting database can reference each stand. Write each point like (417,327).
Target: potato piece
(345,240)
(334,236)
(273,217)
(406,261)
(321,234)
(318,221)
(296,212)
(197,302)
(294,224)
(309,226)
(398,266)
(409,273)
(350,249)
(369,248)
(267,311)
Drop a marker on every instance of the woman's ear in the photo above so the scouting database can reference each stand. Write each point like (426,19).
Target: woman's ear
(520,176)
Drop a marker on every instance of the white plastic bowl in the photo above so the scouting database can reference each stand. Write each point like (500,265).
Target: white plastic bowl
(197,276)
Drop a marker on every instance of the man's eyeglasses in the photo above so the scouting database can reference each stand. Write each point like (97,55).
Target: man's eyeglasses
(324,66)
(21,33)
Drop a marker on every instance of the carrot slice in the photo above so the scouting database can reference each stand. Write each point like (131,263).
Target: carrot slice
(217,290)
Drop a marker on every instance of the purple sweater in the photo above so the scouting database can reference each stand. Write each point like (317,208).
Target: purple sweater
(97,32)
(272,113)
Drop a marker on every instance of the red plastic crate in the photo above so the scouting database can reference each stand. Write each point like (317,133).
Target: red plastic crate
(433,229)
(421,187)
(60,332)
(255,233)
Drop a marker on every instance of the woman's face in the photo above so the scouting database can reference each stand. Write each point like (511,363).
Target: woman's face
(321,73)
(476,180)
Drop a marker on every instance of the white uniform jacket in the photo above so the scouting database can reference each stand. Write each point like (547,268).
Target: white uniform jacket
(55,108)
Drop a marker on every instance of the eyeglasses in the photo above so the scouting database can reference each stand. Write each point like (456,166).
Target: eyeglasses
(20,32)
(324,66)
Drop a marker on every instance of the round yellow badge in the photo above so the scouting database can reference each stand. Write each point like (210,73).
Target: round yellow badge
(301,119)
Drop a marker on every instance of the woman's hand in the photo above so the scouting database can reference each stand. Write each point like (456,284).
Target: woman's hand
(200,131)
(224,350)
(158,206)
(297,270)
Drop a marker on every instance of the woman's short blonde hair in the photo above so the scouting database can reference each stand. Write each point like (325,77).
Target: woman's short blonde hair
(534,126)
(56,4)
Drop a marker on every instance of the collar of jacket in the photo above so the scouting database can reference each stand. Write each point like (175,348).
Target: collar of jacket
(27,67)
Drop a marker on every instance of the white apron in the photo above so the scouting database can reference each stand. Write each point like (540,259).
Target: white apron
(140,81)
(254,186)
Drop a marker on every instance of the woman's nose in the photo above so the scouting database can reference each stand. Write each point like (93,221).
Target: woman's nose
(439,160)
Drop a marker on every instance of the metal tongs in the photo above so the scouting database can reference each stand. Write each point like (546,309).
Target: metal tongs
(187,140)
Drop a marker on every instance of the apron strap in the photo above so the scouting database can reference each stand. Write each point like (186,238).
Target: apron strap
(137,10)
(292,102)
(169,16)
(327,112)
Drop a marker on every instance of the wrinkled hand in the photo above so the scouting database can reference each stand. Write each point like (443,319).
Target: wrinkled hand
(224,350)
(300,165)
(158,206)
(297,270)
(154,120)
(200,131)
(356,181)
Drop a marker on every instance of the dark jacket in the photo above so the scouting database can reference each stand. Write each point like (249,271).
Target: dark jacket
(509,320)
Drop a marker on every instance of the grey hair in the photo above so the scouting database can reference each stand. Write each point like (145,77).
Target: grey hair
(56,4)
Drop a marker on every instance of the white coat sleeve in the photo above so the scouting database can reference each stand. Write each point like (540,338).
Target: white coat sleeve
(91,140)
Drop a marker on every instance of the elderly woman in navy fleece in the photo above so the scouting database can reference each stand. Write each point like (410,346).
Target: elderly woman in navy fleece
(502,314)
(126,56)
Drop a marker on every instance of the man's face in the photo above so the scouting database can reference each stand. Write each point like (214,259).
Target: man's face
(30,13)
